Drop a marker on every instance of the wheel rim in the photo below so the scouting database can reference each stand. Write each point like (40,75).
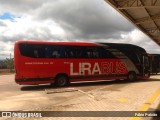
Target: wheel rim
(62,81)
(131,76)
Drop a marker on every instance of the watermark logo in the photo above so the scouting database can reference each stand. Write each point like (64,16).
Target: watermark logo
(21,114)
(6,114)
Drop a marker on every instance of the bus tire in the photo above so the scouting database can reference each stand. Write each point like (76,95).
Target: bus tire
(61,80)
(132,76)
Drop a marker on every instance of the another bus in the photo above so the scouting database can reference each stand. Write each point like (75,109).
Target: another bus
(60,63)
(155,63)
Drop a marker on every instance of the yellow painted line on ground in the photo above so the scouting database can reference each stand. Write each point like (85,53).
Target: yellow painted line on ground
(148,103)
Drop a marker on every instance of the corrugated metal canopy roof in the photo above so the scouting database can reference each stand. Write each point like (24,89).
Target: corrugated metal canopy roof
(145,14)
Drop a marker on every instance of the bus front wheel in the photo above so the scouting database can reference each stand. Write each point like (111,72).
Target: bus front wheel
(61,81)
(132,76)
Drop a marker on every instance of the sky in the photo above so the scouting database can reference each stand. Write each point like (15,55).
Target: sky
(66,20)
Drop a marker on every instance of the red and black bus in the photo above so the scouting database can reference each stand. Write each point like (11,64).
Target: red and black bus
(38,62)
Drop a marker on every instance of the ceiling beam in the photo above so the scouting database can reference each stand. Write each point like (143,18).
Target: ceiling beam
(131,4)
(133,7)
(150,15)
(147,19)
(153,30)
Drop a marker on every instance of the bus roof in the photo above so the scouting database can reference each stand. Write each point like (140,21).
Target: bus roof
(57,43)
(80,44)
(124,45)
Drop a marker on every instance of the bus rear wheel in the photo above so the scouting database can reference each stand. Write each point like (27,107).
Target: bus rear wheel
(132,76)
(61,81)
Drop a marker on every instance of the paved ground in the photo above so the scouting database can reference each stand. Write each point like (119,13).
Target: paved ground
(142,95)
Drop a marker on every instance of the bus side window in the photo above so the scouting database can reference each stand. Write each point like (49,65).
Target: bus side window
(95,53)
(89,54)
(70,52)
(92,52)
(26,50)
(53,51)
(104,53)
(71,55)
(48,51)
(55,54)
(38,51)
(80,52)
(36,54)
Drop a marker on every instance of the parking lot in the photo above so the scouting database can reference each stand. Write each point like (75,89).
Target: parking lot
(118,95)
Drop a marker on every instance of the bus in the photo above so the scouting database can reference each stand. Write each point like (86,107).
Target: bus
(155,63)
(61,63)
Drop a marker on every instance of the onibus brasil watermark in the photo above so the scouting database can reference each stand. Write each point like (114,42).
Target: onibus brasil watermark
(21,114)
